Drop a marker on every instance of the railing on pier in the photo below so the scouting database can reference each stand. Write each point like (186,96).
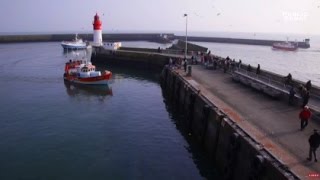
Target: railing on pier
(263,83)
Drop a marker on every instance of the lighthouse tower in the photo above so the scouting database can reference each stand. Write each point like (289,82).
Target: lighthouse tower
(97,31)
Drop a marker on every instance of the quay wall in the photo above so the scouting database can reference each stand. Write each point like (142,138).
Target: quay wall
(235,154)
(130,58)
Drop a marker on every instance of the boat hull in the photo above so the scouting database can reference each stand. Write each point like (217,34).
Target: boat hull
(98,80)
(284,48)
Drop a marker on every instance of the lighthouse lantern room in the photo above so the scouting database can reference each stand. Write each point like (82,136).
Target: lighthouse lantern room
(97,31)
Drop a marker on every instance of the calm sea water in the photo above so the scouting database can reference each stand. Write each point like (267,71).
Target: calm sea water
(53,130)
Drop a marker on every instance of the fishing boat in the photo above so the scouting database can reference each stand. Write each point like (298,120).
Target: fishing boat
(83,72)
(76,43)
(287,46)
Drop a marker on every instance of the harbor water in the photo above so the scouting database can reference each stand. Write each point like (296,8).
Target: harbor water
(54,130)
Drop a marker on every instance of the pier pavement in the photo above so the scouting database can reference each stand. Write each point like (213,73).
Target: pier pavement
(272,123)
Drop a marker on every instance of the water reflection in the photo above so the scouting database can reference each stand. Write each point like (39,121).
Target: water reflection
(78,90)
(78,53)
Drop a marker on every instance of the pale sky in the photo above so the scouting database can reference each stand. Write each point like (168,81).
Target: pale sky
(253,16)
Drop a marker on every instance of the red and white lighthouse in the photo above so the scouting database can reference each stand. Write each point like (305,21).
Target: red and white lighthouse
(97,31)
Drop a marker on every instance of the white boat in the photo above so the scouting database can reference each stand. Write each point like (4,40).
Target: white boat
(76,43)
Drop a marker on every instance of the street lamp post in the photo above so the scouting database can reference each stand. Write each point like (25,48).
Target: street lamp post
(186,49)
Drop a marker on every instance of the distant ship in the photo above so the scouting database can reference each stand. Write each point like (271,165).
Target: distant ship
(76,43)
(287,46)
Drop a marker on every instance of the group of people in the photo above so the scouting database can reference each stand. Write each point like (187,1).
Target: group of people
(305,113)
(226,64)
(304,91)
(178,62)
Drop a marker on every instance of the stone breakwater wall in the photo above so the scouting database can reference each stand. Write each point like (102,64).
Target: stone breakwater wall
(235,154)
(260,42)
(153,37)
(135,59)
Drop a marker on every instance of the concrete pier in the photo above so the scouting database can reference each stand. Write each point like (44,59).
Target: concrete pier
(246,132)
(254,135)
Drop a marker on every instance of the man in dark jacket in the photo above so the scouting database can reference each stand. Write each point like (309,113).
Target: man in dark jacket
(292,92)
(314,142)
(308,85)
(306,97)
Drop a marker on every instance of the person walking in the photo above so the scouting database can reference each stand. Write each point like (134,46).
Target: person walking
(314,142)
(304,116)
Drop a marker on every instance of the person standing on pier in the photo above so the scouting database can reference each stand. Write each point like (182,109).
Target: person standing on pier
(185,64)
(304,116)
(249,68)
(225,66)
(292,92)
(306,97)
(258,69)
(314,142)
(170,62)
(288,80)
(308,85)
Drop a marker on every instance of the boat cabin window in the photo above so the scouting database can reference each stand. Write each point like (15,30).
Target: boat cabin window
(84,69)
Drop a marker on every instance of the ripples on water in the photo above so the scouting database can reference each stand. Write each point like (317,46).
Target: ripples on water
(54,130)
